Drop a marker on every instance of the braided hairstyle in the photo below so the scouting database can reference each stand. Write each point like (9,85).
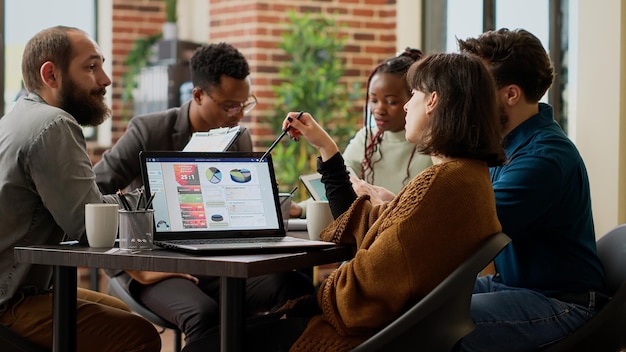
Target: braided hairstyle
(394,65)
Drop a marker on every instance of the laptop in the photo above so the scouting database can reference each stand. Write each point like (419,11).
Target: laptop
(217,202)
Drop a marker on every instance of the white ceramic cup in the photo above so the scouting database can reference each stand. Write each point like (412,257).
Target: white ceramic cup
(318,216)
(101,221)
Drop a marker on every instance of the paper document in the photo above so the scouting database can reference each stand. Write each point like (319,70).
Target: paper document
(215,140)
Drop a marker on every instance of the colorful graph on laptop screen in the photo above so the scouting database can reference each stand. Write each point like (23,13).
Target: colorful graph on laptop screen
(206,194)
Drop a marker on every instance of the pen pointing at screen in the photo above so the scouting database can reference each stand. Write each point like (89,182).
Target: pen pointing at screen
(307,127)
(282,134)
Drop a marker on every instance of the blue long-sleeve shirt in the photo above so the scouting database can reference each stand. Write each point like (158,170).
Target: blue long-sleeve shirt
(544,204)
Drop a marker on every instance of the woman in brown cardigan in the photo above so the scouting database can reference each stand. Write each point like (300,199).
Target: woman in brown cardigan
(405,247)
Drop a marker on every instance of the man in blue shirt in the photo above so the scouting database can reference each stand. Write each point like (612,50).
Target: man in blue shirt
(549,281)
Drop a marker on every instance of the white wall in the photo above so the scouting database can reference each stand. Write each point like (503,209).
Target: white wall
(601,91)
(105,41)
(409,25)
(193,20)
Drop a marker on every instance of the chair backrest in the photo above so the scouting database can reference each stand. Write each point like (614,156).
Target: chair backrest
(605,331)
(612,252)
(442,318)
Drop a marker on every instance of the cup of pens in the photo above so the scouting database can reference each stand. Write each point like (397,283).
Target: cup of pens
(136,229)
(136,226)
(285,204)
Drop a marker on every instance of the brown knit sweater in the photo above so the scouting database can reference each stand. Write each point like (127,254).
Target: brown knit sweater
(404,248)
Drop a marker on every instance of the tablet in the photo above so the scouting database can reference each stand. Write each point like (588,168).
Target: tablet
(315,187)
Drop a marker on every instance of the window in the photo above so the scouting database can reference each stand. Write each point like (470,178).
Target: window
(548,20)
(40,14)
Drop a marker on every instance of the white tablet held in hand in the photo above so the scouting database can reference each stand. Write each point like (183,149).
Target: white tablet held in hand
(315,187)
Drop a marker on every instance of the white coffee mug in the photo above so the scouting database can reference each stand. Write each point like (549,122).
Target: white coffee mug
(101,221)
(318,216)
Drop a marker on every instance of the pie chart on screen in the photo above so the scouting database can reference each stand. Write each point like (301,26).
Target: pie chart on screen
(240,175)
(214,175)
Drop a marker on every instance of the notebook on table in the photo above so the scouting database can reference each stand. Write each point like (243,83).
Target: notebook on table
(217,202)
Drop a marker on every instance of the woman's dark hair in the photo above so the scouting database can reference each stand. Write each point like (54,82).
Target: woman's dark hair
(514,57)
(398,65)
(210,61)
(465,122)
(51,44)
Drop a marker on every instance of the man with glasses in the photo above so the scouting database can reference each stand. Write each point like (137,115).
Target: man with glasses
(220,98)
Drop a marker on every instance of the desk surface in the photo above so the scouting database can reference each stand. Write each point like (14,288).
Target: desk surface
(232,269)
(237,266)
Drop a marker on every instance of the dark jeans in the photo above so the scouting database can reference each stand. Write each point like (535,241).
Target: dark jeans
(517,319)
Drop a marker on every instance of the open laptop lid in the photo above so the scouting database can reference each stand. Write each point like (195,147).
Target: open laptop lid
(212,194)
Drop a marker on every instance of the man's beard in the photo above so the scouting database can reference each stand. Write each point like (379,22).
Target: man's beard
(87,107)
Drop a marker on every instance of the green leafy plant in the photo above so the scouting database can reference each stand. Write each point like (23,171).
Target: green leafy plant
(136,59)
(170,11)
(139,56)
(311,83)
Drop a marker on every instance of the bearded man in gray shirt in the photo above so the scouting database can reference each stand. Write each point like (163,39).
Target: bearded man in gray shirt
(46,178)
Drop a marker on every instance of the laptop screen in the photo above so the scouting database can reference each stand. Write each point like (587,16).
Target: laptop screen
(212,195)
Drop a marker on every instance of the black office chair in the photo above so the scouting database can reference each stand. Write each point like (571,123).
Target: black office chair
(12,342)
(118,289)
(441,319)
(606,331)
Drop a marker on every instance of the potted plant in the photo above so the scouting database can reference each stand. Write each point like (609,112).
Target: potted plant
(170,31)
(136,59)
(139,56)
(311,82)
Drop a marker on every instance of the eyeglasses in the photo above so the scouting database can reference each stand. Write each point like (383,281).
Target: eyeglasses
(234,109)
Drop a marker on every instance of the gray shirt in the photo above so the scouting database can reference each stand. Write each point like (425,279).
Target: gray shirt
(46,178)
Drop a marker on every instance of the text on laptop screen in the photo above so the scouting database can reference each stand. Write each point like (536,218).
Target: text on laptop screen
(221,193)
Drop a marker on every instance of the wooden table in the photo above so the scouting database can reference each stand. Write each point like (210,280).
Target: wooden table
(233,271)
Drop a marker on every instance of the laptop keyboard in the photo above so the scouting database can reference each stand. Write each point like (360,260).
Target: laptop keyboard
(230,240)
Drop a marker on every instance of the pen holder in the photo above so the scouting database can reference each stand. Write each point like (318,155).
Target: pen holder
(285,205)
(136,229)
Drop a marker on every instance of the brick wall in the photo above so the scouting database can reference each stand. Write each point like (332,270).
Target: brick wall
(254,27)
(132,19)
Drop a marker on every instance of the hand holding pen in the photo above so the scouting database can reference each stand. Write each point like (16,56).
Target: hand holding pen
(305,125)
(282,134)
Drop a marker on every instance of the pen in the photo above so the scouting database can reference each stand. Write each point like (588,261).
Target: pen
(279,138)
(293,190)
(149,201)
(123,200)
(140,198)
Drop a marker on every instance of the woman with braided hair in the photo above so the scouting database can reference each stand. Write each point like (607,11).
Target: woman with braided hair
(380,155)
